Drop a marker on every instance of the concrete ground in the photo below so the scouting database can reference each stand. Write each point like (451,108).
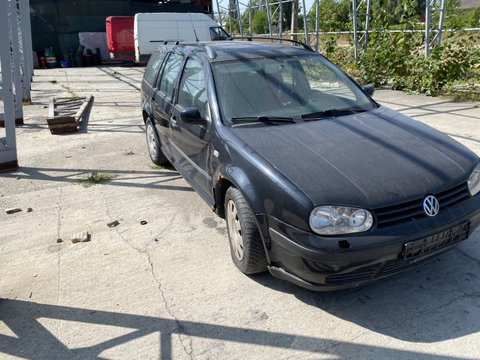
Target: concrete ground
(168,289)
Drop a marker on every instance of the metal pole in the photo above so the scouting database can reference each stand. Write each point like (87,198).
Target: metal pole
(440,23)
(317,9)
(219,14)
(239,17)
(15,56)
(367,26)
(8,145)
(28,38)
(294,20)
(23,73)
(269,15)
(27,48)
(250,16)
(305,29)
(280,20)
(230,17)
(427,29)
(355,35)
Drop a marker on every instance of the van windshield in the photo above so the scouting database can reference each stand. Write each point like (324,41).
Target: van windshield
(217,33)
(296,87)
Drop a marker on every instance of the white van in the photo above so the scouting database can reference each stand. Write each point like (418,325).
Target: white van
(151,30)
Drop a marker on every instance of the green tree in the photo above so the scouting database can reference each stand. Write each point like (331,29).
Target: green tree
(260,22)
(333,15)
(459,19)
(386,13)
(473,17)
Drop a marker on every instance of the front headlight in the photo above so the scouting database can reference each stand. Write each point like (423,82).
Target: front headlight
(334,220)
(474,181)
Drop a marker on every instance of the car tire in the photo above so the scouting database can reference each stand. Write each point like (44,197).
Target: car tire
(153,145)
(246,247)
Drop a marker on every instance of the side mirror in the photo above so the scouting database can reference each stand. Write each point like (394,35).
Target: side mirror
(192,116)
(369,89)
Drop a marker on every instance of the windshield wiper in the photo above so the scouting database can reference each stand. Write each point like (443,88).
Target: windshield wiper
(263,119)
(332,113)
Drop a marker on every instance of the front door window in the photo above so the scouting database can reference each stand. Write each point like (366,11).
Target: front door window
(192,91)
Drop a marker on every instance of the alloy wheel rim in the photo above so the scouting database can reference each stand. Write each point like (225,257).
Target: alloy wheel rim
(235,230)
(152,143)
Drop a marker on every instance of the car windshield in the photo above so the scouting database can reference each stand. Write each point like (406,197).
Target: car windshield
(217,33)
(298,87)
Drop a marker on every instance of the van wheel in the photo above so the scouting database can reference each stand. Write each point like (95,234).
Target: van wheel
(246,246)
(153,144)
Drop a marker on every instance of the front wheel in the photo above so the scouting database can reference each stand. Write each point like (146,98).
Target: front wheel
(246,246)
(153,143)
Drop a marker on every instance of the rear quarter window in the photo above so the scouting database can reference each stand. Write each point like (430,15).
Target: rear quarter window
(152,67)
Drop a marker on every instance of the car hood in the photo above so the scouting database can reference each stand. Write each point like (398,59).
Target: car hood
(370,159)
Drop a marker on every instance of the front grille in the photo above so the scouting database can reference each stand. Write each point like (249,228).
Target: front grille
(413,210)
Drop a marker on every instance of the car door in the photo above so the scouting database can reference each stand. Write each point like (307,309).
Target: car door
(149,80)
(190,142)
(163,96)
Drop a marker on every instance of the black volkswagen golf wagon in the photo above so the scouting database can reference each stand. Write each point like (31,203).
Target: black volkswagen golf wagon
(317,182)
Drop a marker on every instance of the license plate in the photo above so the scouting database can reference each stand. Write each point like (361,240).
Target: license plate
(418,249)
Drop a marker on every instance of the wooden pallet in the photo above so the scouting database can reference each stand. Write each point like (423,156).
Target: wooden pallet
(65,114)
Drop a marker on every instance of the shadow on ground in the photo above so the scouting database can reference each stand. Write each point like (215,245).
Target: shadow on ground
(442,107)
(32,340)
(154,179)
(433,302)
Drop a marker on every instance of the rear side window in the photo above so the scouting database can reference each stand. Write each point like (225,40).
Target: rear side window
(170,73)
(152,67)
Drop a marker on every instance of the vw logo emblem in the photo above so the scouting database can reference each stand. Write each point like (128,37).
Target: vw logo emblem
(431,206)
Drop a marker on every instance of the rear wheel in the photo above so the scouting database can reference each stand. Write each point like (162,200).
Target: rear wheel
(153,143)
(246,246)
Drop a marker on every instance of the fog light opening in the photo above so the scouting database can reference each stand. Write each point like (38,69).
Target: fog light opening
(344,244)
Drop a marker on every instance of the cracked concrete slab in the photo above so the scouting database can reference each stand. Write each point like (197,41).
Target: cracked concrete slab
(161,285)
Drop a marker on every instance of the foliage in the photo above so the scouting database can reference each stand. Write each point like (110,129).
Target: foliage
(336,15)
(398,60)
(458,19)
(96,177)
(333,15)
(260,22)
(386,13)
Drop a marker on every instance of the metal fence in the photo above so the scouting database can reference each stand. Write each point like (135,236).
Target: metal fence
(361,16)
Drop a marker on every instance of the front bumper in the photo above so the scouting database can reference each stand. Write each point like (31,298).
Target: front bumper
(338,262)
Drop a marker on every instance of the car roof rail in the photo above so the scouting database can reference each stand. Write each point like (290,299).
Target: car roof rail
(210,52)
(251,38)
(198,44)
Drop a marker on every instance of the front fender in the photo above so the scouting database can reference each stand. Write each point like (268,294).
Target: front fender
(266,190)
